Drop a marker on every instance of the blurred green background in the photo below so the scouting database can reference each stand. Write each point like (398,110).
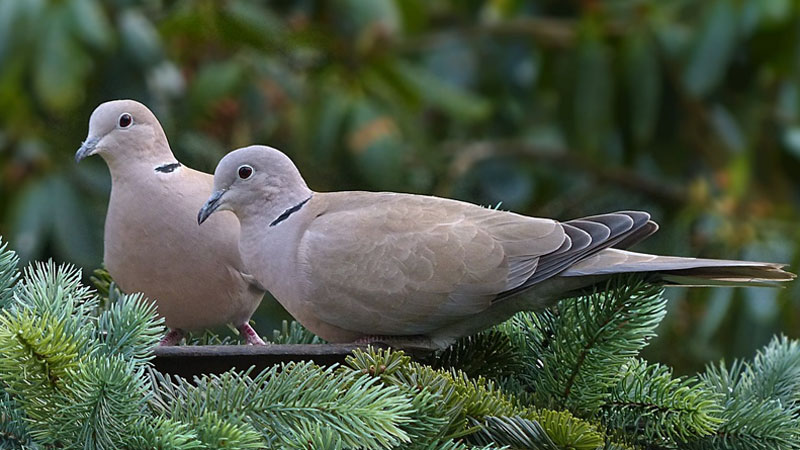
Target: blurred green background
(687,109)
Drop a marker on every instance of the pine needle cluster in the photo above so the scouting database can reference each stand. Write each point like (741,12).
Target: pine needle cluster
(76,372)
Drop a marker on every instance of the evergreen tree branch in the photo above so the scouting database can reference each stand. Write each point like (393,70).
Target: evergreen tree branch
(294,333)
(748,422)
(655,408)
(55,291)
(103,395)
(8,273)
(13,429)
(490,354)
(584,346)
(466,403)
(279,400)
(515,432)
(775,373)
(148,433)
(130,327)
(36,356)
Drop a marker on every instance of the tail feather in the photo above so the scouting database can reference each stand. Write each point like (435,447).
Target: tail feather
(682,271)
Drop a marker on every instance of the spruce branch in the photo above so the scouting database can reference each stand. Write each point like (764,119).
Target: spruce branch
(105,287)
(13,427)
(294,333)
(216,432)
(491,354)
(102,396)
(130,327)
(655,408)
(36,357)
(748,422)
(566,430)
(8,273)
(209,337)
(56,291)
(584,346)
(149,432)
(516,432)
(279,401)
(315,436)
(466,403)
(775,373)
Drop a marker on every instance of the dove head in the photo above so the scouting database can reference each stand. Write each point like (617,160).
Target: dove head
(256,182)
(125,132)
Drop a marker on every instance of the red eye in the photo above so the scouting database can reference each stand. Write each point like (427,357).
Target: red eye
(245,172)
(125,120)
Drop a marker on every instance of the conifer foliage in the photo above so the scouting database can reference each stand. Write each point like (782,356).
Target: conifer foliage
(75,372)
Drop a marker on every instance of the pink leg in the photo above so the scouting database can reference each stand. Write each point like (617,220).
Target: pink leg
(250,335)
(172,338)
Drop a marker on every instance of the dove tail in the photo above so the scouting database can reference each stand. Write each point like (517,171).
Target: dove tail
(682,271)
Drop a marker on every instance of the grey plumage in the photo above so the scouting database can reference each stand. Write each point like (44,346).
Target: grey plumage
(152,243)
(426,270)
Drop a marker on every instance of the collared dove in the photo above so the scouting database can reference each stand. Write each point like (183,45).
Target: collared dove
(419,271)
(152,242)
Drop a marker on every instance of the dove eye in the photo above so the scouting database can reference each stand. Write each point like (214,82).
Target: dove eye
(245,172)
(125,120)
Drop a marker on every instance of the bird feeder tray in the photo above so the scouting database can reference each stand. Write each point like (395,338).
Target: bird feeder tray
(189,361)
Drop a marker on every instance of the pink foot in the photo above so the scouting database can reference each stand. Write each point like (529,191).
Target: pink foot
(250,335)
(172,338)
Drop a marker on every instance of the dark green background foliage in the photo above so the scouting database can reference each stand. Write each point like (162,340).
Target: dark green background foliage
(557,108)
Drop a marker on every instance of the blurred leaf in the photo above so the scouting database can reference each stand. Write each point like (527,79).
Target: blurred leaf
(727,128)
(251,22)
(791,139)
(643,79)
(497,180)
(328,122)
(16,20)
(360,20)
(374,142)
(199,150)
(61,65)
(458,103)
(31,219)
(73,236)
(718,306)
(758,13)
(8,16)
(213,82)
(739,175)
(453,60)
(589,92)
(89,21)
(413,13)
(139,38)
(713,49)
(166,79)
(762,304)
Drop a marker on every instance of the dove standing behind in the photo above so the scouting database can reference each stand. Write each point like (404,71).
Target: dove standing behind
(152,241)
(426,270)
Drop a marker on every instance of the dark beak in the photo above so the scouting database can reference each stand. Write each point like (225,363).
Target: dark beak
(211,205)
(87,149)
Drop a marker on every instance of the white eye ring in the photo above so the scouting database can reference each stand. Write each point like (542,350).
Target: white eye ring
(125,120)
(244,171)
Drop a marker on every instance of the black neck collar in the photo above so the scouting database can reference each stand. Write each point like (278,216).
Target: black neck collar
(285,215)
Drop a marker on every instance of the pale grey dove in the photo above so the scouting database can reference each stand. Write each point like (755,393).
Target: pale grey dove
(423,271)
(152,241)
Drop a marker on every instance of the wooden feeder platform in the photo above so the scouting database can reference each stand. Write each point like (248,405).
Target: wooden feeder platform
(194,360)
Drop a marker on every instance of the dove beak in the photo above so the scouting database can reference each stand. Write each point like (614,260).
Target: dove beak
(88,148)
(210,206)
